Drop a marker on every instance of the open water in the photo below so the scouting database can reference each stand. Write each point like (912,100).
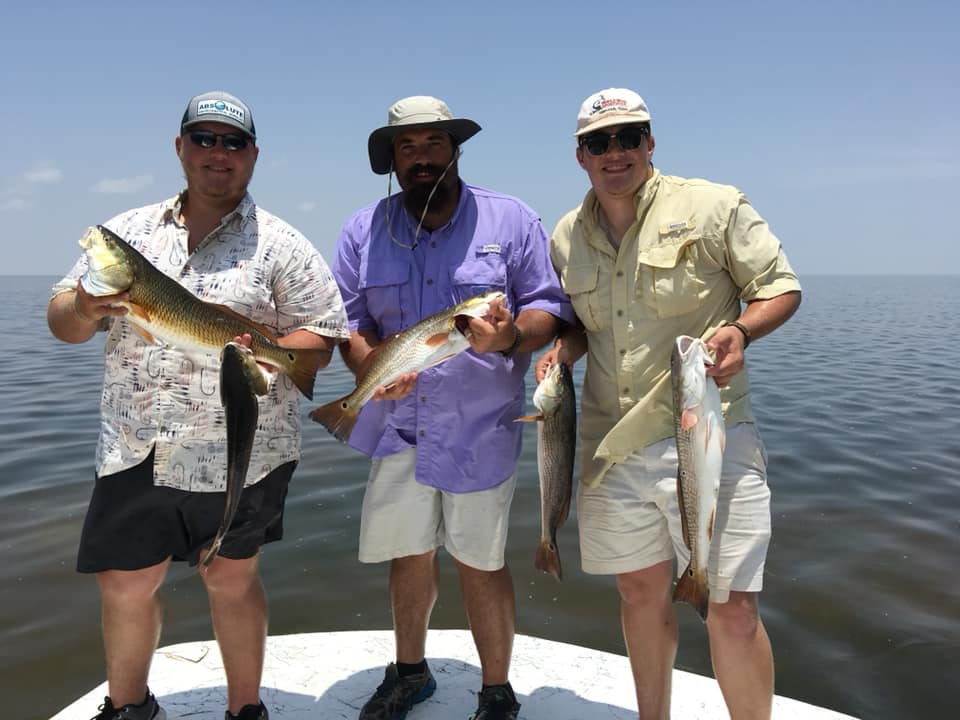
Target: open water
(857,398)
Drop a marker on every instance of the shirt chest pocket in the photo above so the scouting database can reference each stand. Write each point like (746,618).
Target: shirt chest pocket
(481,274)
(385,288)
(667,280)
(590,297)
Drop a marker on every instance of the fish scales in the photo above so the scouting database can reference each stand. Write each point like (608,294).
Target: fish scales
(430,342)
(555,399)
(163,310)
(700,435)
(241,380)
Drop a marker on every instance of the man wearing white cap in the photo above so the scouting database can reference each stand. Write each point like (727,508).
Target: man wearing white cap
(443,442)
(645,258)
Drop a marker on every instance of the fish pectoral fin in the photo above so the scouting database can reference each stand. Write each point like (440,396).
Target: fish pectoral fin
(137,315)
(438,340)
(530,418)
(688,419)
(262,329)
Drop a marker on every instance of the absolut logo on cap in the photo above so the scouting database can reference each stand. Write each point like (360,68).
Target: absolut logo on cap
(602,104)
(221,107)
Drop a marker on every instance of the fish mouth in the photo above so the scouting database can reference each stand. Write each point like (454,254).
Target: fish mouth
(684,343)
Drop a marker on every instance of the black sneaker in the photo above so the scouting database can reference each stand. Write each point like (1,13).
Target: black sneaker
(149,709)
(496,702)
(396,695)
(249,712)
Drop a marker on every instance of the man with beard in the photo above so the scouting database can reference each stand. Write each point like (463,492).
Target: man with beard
(443,442)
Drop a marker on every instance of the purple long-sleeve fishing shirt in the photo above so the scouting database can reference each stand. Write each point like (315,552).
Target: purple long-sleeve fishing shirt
(461,415)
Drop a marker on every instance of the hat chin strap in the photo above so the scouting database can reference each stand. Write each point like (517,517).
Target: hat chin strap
(426,205)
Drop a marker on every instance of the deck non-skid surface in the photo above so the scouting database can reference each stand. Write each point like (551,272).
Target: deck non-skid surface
(329,676)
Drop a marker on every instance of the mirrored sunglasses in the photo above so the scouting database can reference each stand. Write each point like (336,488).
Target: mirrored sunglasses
(207,139)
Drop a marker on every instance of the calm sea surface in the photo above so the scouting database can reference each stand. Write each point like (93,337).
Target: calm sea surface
(857,399)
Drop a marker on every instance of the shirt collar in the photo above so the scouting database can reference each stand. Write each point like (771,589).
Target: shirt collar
(245,211)
(590,209)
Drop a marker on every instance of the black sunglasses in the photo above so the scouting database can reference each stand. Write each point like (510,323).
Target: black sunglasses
(208,138)
(628,138)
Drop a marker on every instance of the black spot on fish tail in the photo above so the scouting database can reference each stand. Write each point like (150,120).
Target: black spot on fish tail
(548,559)
(692,589)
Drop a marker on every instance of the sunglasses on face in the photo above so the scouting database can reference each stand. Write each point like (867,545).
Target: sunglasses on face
(628,138)
(208,138)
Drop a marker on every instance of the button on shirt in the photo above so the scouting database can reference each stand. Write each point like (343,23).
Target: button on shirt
(461,414)
(158,397)
(696,250)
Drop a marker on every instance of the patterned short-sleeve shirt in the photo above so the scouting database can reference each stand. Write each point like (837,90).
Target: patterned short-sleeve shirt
(160,398)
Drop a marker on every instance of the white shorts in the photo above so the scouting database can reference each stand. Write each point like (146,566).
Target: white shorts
(631,520)
(402,517)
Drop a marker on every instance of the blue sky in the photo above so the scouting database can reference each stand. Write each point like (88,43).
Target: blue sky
(839,120)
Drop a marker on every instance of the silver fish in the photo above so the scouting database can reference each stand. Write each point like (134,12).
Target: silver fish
(700,436)
(555,399)
(428,343)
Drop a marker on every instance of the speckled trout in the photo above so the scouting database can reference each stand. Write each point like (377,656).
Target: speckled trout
(430,342)
(164,311)
(555,399)
(700,434)
(241,380)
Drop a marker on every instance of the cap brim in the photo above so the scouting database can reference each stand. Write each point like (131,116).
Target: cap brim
(380,142)
(608,120)
(222,121)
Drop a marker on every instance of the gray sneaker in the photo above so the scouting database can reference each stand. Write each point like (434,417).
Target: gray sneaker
(396,695)
(149,709)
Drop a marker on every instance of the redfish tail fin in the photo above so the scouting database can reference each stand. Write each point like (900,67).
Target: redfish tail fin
(303,370)
(337,417)
(548,559)
(692,589)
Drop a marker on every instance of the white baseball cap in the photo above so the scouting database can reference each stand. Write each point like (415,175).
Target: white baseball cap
(613,106)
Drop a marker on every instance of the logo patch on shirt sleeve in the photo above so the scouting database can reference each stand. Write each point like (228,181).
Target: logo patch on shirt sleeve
(491,248)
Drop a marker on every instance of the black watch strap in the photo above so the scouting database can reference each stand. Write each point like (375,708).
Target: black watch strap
(517,339)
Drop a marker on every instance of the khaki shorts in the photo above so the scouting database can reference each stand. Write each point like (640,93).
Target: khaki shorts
(631,520)
(402,517)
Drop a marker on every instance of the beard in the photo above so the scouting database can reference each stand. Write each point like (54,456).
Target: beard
(417,190)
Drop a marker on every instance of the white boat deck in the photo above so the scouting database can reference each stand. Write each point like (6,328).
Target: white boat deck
(328,676)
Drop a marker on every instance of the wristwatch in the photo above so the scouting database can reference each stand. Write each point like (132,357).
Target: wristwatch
(742,328)
(517,339)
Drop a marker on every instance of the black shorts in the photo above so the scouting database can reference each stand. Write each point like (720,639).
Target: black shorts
(132,524)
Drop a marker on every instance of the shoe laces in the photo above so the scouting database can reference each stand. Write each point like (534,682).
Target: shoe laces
(106,711)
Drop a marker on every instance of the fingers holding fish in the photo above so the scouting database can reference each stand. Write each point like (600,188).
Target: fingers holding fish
(726,346)
(94,308)
(398,389)
(489,336)
(545,362)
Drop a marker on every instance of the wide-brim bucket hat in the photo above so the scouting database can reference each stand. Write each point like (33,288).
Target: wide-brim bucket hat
(410,112)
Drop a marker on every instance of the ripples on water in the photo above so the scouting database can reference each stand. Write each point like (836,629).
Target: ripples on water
(857,401)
